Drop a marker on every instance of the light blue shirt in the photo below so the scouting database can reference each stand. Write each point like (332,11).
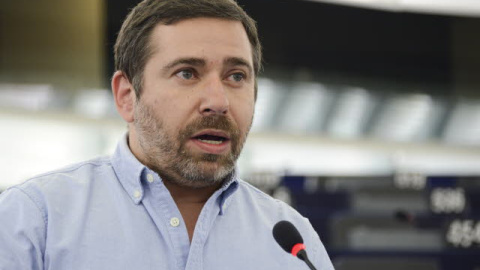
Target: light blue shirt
(115,213)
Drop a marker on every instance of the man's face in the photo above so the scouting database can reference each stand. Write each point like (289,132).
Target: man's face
(197,101)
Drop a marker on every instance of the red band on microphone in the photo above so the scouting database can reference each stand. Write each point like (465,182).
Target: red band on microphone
(297,248)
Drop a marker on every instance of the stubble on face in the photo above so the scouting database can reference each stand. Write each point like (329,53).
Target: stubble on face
(167,155)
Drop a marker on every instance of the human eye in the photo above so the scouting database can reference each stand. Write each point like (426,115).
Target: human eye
(237,77)
(186,74)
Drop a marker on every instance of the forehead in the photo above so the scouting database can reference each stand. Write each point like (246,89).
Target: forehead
(201,37)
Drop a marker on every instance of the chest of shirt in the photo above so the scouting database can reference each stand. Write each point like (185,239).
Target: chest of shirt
(141,238)
(149,249)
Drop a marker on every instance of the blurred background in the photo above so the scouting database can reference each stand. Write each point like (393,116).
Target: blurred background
(367,120)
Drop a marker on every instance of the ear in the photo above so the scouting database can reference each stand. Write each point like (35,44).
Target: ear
(124,95)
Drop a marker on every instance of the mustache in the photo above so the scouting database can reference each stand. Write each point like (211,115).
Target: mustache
(219,122)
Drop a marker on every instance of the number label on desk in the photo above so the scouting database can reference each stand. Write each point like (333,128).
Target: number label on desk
(463,233)
(447,200)
(415,181)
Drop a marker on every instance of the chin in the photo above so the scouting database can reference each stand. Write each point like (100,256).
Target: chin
(214,173)
(213,170)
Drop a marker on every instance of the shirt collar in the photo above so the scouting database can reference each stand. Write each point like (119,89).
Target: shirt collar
(130,172)
(128,169)
(226,191)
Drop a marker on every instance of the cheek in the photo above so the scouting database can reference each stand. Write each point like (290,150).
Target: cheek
(166,106)
(173,112)
(243,116)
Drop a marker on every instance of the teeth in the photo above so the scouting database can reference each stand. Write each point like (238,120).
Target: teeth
(210,142)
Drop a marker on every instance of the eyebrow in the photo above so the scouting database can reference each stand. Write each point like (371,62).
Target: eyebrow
(237,61)
(197,62)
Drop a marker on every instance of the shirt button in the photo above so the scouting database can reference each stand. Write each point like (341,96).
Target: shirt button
(137,194)
(150,178)
(174,222)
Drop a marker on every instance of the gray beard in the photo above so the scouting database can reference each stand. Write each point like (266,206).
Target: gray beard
(171,161)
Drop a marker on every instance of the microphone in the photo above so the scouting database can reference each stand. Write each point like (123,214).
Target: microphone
(288,237)
(404,216)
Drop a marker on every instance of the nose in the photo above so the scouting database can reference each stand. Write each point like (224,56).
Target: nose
(214,98)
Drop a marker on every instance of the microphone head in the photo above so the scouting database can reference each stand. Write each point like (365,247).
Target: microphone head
(286,235)
(404,216)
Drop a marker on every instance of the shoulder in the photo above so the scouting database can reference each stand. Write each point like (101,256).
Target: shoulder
(268,205)
(247,189)
(78,172)
(65,182)
(258,198)
(75,168)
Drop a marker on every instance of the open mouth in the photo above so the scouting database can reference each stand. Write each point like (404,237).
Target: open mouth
(211,139)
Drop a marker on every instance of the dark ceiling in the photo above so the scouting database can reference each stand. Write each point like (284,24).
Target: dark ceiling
(342,40)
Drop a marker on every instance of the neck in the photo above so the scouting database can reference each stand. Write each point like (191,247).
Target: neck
(190,202)
(189,195)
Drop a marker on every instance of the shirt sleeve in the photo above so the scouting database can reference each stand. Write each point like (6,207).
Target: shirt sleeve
(22,231)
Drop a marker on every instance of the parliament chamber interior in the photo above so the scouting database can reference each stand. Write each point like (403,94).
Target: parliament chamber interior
(367,120)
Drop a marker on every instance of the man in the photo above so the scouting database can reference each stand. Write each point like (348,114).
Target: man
(169,197)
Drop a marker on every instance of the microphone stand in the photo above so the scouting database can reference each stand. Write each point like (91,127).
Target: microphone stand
(302,255)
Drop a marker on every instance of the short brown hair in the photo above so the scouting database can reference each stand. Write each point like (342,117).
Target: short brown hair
(132,48)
